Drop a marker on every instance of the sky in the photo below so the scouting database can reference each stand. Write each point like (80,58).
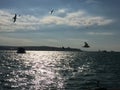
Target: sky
(72,23)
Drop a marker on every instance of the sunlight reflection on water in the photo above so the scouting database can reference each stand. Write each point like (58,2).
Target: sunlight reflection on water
(52,70)
(41,70)
(48,70)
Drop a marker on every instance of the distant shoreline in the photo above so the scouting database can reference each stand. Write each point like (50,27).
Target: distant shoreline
(49,48)
(40,48)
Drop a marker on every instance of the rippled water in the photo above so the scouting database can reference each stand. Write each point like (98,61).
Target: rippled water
(52,70)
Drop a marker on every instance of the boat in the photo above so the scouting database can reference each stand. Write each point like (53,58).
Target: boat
(86,45)
(21,50)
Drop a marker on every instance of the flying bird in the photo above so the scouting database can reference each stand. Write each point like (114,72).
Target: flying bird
(86,45)
(52,11)
(14,18)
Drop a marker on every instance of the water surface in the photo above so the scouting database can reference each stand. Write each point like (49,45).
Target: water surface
(58,70)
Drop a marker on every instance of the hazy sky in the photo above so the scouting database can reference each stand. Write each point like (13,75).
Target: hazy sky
(72,23)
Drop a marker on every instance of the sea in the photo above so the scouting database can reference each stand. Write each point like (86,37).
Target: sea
(59,70)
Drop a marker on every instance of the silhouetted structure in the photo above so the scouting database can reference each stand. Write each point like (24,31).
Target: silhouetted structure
(14,18)
(86,45)
(21,50)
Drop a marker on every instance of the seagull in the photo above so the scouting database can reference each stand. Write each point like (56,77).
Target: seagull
(86,45)
(52,11)
(14,18)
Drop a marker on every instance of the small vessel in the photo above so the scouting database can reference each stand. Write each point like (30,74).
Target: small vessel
(86,45)
(21,50)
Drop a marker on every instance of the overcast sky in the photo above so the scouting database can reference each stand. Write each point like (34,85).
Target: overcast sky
(71,24)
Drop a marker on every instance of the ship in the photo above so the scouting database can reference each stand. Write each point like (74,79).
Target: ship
(21,50)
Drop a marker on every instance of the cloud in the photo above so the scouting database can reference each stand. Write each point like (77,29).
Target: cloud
(101,33)
(31,22)
(62,10)
(79,19)
(25,22)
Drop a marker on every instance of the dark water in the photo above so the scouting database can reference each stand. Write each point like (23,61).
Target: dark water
(52,70)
